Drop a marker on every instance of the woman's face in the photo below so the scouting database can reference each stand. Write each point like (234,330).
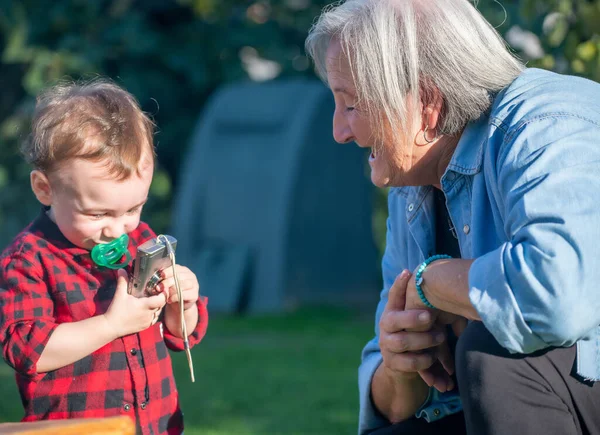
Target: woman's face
(392,163)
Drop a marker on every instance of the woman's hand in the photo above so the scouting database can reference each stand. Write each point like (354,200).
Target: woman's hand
(414,302)
(411,343)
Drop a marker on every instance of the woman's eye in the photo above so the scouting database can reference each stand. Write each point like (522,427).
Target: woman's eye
(349,108)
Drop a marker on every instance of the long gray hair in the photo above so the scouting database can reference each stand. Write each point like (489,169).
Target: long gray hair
(401,49)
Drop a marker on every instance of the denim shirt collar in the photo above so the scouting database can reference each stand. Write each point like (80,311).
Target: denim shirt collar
(468,156)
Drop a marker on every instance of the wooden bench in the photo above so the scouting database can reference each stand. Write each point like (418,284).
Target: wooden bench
(89,426)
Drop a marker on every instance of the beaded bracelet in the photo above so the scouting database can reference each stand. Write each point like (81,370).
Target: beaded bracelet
(419,277)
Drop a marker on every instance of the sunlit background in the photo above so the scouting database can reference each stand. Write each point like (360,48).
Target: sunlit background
(281,224)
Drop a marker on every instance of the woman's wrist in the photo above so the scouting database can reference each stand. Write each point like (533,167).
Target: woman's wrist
(419,278)
(445,284)
(397,396)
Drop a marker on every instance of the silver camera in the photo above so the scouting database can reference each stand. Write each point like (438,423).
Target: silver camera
(151,258)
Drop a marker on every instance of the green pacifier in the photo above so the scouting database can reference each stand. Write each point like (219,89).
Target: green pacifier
(108,254)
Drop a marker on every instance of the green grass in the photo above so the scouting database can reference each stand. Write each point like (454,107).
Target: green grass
(289,374)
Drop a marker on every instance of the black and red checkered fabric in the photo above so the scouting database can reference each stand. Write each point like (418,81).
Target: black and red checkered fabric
(45,281)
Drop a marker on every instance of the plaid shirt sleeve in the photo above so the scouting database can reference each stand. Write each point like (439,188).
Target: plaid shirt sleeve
(175,343)
(26,311)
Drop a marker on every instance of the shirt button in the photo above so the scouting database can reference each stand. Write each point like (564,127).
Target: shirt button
(436,412)
(466,229)
(450,176)
(127,407)
(133,351)
(143,405)
(411,207)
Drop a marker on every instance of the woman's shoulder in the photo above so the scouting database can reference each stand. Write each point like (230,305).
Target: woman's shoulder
(538,94)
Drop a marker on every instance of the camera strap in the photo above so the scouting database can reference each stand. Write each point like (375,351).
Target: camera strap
(186,344)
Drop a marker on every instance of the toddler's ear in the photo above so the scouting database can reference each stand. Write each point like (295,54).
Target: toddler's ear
(41,187)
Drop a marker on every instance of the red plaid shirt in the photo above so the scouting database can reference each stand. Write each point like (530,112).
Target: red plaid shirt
(45,281)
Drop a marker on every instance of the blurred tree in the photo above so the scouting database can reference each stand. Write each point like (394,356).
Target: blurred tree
(172,54)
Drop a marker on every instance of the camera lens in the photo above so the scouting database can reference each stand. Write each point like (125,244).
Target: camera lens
(152,282)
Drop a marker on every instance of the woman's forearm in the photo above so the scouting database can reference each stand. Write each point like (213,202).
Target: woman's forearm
(397,399)
(73,341)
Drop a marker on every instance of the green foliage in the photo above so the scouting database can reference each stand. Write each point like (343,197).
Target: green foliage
(173,54)
(569,32)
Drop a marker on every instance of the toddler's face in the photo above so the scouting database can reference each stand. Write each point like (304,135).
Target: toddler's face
(90,207)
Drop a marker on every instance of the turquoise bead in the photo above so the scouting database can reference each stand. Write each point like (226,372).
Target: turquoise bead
(419,280)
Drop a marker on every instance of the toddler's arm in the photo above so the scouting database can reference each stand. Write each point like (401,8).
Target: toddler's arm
(73,341)
(31,340)
(126,315)
(195,312)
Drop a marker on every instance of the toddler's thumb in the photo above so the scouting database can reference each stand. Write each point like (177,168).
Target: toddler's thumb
(122,281)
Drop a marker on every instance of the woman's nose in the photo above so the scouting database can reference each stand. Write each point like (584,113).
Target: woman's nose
(341,129)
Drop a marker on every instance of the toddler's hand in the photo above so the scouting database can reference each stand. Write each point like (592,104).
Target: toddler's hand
(128,314)
(188,282)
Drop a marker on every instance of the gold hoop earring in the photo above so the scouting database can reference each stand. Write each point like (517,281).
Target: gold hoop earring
(425,135)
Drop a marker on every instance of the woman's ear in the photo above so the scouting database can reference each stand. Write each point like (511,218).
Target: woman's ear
(432,109)
(41,187)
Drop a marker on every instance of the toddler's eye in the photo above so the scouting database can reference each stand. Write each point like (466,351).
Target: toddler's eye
(134,210)
(98,216)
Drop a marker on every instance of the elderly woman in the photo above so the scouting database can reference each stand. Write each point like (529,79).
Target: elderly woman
(494,205)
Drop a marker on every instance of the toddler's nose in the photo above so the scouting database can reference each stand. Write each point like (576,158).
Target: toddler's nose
(113,231)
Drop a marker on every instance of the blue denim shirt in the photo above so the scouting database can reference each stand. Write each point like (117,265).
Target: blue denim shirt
(523,192)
